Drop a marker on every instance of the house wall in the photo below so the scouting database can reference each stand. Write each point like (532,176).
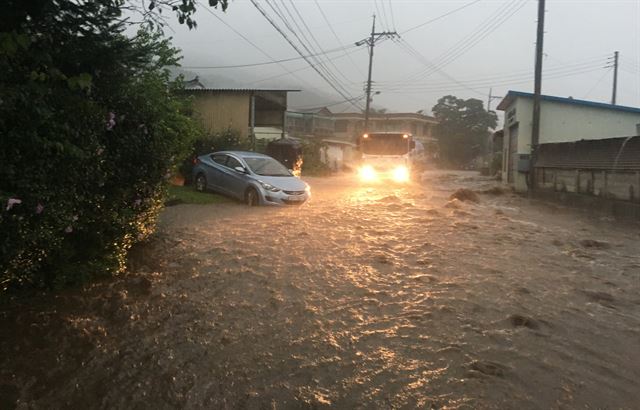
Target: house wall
(561,123)
(219,111)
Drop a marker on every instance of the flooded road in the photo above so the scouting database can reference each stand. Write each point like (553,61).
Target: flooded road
(367,297)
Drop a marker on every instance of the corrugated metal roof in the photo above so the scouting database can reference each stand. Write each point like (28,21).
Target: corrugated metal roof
(511,96)
(622,154)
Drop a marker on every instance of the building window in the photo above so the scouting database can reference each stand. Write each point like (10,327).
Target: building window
(341,125)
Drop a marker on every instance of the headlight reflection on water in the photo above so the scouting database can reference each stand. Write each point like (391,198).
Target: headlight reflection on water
(369,174)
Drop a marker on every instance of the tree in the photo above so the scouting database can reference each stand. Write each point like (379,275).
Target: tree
(90,124)
(463,126)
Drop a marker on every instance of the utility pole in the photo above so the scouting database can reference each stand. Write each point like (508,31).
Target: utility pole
(371,42)
(537,89)
(491,98)
(615,78)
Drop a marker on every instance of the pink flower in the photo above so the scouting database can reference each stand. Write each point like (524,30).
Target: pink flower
(111,122)
(13,201)
(39,209)
(68,229)
(137,203)
(99,151)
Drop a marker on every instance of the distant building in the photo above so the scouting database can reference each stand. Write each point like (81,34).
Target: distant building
(249,111)
(562,120)
(314,123)
(349,125)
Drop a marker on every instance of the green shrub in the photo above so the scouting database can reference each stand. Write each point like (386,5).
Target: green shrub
(311,163)
(229,139)
(90,127)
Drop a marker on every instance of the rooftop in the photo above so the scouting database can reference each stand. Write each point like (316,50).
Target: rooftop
(196,85)
(512,95)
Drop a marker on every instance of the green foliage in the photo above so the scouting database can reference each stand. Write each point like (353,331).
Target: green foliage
(90,127)
(462,129)
(311,163)
(229,139)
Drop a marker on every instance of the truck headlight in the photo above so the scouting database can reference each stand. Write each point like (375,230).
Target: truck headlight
(367,173)
(401,174)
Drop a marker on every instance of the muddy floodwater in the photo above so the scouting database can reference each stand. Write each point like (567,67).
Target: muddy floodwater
(367,297)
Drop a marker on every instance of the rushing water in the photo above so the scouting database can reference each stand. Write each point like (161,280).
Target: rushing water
(368,297)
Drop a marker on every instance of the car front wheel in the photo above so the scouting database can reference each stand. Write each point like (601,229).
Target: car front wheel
(252,198)
(201,183)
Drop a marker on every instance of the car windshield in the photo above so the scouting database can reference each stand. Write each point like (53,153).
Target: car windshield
(267,167)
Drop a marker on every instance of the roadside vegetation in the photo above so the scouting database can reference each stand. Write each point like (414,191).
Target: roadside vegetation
(92,126)
(188,195)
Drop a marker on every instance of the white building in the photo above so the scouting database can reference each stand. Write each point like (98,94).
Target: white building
(561,120)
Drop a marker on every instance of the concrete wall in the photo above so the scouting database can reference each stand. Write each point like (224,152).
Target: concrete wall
(219,111)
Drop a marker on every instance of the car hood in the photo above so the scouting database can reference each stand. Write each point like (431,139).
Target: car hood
(284,183)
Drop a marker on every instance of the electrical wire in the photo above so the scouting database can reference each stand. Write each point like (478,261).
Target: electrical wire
(324,16)
(487,27)
(464,6)
(284,60)
(342,93)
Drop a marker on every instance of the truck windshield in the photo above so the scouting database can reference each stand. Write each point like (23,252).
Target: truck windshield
(385,144)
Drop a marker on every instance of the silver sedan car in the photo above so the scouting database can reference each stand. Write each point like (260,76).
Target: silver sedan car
(253,178)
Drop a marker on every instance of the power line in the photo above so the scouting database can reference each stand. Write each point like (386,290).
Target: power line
(413,52)
(491,79)
(324,16)
(393,17)
(309,48)
(315,39)
(284,60)
(202,6)
(440,17)
(487,27)
(306,67)
(489,84)
(344,94)
(597,83)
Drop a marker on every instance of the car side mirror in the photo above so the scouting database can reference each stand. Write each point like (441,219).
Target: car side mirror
(240,169)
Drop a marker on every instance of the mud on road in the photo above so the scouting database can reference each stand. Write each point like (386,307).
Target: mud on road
(367,297)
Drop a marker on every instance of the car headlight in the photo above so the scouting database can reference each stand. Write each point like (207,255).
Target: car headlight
(401,174)
(367,173)
(269,187)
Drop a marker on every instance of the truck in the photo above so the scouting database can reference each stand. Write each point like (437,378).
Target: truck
(386,156)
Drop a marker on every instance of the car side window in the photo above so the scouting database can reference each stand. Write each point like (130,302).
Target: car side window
(232,163)
(219,159)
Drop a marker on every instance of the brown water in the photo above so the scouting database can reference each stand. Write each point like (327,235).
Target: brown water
(367,297)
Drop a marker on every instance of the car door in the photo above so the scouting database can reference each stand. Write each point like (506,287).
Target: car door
(216,172)
(235,182)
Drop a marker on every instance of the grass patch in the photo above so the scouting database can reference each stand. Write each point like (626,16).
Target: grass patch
(188,195)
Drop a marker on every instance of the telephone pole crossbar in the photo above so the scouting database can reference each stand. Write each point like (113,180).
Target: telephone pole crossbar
(371,42)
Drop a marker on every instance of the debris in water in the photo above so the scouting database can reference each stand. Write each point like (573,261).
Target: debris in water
(464,194)
(523,321)
(592,243)
(453,204)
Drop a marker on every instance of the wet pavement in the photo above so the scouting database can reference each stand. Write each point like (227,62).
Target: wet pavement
(367,297)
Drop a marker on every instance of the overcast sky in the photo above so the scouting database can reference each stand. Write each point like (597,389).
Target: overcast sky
(474,46)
